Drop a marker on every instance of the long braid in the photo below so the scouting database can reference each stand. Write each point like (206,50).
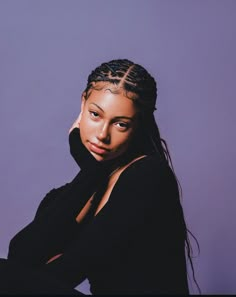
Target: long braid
(140,86)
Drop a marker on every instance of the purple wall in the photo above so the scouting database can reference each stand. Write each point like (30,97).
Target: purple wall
(47,49)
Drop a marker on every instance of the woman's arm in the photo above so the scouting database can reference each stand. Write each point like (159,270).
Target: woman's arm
(145,194)
(50,198)
(54,224)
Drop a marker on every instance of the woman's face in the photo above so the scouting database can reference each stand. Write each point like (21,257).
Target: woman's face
(107,124)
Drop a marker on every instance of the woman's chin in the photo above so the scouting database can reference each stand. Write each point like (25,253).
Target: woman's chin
(98,157)
(105,157)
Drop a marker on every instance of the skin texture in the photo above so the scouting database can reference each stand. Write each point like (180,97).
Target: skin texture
(107,120)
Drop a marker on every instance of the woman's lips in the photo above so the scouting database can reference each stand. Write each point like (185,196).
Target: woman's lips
(96,149)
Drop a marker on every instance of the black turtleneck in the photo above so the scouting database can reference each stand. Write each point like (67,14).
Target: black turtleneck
(134,245)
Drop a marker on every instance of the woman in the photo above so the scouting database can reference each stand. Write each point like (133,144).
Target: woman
(119,222)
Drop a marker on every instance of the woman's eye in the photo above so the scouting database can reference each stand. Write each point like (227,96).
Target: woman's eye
(122,126)
(94,114)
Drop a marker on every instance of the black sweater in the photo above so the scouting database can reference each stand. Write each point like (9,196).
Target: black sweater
(134,245)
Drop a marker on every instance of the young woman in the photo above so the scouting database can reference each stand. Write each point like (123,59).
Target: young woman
(119,223)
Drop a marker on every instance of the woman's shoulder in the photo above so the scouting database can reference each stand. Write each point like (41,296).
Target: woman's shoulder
(147,163)
(144,180)
(150,167)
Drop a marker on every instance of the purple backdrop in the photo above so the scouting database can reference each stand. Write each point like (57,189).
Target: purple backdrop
(47,49)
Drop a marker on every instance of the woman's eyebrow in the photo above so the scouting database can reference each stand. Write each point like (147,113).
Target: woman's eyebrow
(124,117)
(118,117)
(97,106)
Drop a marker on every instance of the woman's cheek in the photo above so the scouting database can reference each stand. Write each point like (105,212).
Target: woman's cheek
(87,130)
(123,145)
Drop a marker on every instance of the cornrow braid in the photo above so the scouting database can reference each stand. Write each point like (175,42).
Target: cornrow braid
(138,85)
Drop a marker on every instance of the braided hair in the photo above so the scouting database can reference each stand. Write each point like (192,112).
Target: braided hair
(137,84)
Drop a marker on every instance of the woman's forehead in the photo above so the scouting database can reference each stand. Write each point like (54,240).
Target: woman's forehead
(116,104)
(114,88)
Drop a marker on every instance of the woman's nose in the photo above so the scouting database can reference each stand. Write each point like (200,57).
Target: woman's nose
(104,134)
